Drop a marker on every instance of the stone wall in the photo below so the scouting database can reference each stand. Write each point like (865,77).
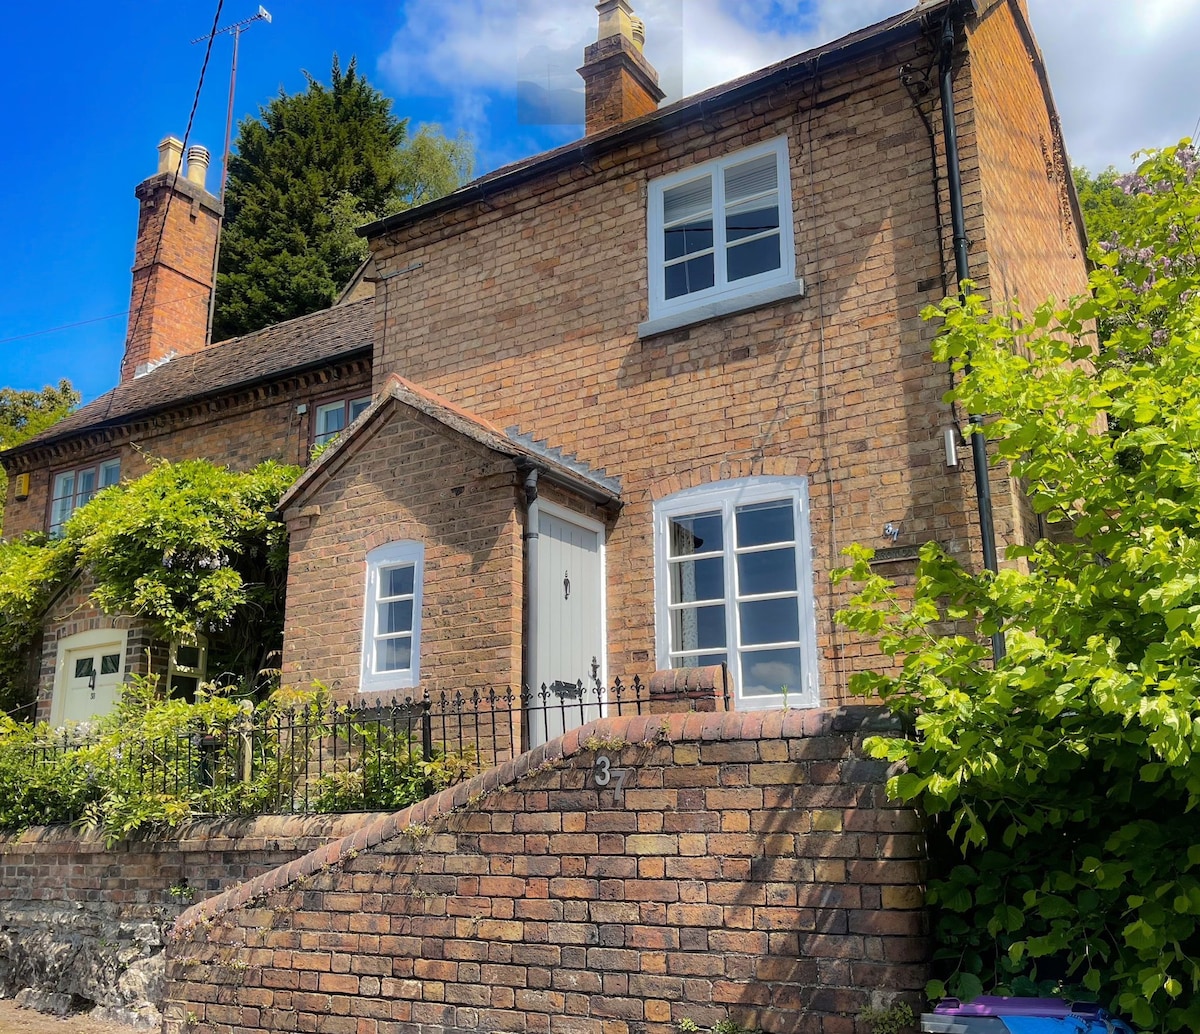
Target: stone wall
(629,875)
(81,924)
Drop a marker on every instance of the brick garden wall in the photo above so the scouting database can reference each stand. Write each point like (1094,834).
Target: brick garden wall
(82,921)
(750,866)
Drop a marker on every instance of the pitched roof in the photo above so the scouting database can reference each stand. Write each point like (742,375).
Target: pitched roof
(290,347)
(556,466)
(847,48)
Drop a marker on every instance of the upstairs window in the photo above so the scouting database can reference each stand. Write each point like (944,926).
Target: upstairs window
(392,616)
(721,234)
(734,586)
(332,418)
(73,488)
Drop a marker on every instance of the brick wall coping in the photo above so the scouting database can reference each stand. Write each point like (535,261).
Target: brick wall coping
(260,833)
(633,730)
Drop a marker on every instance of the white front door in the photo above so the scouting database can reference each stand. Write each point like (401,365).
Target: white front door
(568,623)
(91,668)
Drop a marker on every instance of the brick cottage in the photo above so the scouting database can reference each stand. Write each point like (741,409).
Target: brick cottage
(632,397)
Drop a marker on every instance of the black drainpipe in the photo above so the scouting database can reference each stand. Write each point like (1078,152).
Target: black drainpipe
(983,489)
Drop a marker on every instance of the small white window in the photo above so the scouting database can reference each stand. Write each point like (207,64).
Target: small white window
(733,585)
(335,417)
(721,235)
(73,488)
(392,616)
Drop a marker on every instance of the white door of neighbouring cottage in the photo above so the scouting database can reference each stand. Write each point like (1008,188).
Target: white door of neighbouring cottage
(91,668)
(568,623)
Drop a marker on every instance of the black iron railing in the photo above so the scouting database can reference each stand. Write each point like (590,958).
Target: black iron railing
(324,757)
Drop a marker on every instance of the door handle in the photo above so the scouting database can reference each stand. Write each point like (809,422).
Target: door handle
(566,585)
(92,683)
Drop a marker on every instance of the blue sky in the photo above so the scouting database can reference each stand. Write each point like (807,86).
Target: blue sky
(90,90)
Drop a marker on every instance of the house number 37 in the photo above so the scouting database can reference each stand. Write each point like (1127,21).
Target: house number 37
(606,777)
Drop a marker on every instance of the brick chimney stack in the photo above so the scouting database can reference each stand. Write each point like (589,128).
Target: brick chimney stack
(619,83)
(172,280)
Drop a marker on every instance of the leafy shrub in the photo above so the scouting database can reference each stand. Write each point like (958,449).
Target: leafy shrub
(1066,776)
(386,770)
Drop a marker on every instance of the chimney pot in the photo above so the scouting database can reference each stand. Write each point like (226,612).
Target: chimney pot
(198,159)
(170,154)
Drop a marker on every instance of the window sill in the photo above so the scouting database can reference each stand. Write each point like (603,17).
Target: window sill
(722,307)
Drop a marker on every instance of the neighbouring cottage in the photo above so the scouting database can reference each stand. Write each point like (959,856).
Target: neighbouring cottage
(272,394)
(634,396)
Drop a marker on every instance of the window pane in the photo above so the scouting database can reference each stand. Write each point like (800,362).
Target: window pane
(688,200)
(64,486)
(84,666)
(773,570)
(768,672)
(110,473)
(700,533)
(393,654)
(110,663)
(748,220)
(690,277)
(749,178)
(759,256)
(357,406)
(396,581)
(85,486)
(702,660)
(698,628)
(184,687)
(693,580)
(187,656)
(688,238)
(395,617)
(763,523)
(770,621)
(331,418)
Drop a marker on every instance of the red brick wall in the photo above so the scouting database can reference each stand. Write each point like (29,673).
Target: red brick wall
(750,866)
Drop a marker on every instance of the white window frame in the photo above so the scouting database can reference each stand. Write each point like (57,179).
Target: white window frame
(391,555)
(351,409)
(107,472)
(199,672)
(724,296)
(726,497)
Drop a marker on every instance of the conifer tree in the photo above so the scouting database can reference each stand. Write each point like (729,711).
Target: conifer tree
(306,172)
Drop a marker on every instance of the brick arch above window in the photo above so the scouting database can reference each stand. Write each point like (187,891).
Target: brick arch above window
(731,470)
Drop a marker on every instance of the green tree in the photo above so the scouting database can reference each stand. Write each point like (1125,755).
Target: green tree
(190,547)
(26,413)
(312,167)
(1105,206)
(195,549)
(1068,776)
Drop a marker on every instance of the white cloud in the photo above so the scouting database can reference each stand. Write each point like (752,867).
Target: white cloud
(1123,74)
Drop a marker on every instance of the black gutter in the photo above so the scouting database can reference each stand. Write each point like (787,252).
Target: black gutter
(979,457)
(901,28)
